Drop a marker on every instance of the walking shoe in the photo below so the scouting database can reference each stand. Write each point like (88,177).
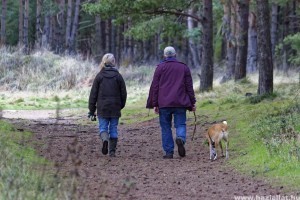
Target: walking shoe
(168,156)
(105,147)
(181,149)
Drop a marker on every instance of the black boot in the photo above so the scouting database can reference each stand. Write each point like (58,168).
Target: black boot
(104,137)
(112,146)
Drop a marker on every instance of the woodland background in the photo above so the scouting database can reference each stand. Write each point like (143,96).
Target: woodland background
(235,37)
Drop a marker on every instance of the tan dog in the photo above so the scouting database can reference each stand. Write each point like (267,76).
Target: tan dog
(214,135)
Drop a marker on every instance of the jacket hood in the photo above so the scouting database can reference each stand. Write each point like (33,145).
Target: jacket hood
(109,72)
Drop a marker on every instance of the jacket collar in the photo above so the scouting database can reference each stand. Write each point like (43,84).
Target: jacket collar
(169,59)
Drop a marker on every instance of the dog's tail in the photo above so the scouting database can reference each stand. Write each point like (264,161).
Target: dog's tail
(225,122)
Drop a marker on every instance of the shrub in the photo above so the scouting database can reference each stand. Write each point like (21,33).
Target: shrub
(279,132)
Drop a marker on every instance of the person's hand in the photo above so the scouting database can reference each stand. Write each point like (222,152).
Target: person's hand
(194,108)
(92,116)
(156,110)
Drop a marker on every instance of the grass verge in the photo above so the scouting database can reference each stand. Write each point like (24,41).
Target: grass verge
(23,174)
(264,130)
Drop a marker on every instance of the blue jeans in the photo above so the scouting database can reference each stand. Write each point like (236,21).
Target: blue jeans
(165,119)
(109,125)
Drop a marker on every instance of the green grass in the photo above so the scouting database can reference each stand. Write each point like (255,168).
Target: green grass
(135,111)
(23,174)
(256,147)
(32,101)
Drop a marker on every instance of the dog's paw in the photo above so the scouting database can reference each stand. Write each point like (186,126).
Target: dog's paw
(215,157)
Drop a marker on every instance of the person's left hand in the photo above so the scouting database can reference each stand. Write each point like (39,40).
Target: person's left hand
(194,108)
(156,110)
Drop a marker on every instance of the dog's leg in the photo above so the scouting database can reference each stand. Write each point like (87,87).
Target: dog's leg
(214,151)
(215,154)
(210,151)
(222,153)
(227,144)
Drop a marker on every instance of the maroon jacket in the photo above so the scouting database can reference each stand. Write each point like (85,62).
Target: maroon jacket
(172,86)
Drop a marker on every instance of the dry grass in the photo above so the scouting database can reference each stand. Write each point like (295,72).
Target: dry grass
(45,75)
(43,71)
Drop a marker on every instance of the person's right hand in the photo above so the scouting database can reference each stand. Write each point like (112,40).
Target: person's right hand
(92,116)
(156,110)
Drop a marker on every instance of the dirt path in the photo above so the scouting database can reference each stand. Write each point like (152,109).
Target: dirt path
(138,171)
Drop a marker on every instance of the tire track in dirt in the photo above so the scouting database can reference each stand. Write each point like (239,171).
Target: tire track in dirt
(139,171)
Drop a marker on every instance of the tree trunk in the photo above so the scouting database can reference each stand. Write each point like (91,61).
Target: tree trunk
(126,50)
(26,18)
(21,21)
(206,76)
(46,32)
(54,33)
(120,43)
(252,44)
(103,36)
(192,43)
(130,44)
(38,28)
(228,30)
(3,22)
(286,29)
(61,27)
(69,24)
(293,17)
(117,44)
(74,27)
(242,40)
(265,83)
(113,38)
(98,35)
(107,36)
(274,27)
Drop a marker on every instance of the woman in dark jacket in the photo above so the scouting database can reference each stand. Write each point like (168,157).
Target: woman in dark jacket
(108,95)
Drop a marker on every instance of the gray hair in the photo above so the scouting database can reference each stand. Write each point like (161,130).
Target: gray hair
(169,51)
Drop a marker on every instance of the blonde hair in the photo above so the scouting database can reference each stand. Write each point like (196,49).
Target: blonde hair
(109,59)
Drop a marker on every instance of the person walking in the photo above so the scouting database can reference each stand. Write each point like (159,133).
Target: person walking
(108,95)
(170,95)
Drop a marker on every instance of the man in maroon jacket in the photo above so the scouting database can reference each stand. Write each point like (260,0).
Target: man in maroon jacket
(171,94)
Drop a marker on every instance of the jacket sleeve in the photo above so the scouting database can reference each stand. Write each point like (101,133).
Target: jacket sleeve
(123,91)
(94,95)
(150,97)
(189,86)
(154,89)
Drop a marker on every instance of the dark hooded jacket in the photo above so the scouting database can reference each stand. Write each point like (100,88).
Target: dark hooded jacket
(108,93)
(172,86)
